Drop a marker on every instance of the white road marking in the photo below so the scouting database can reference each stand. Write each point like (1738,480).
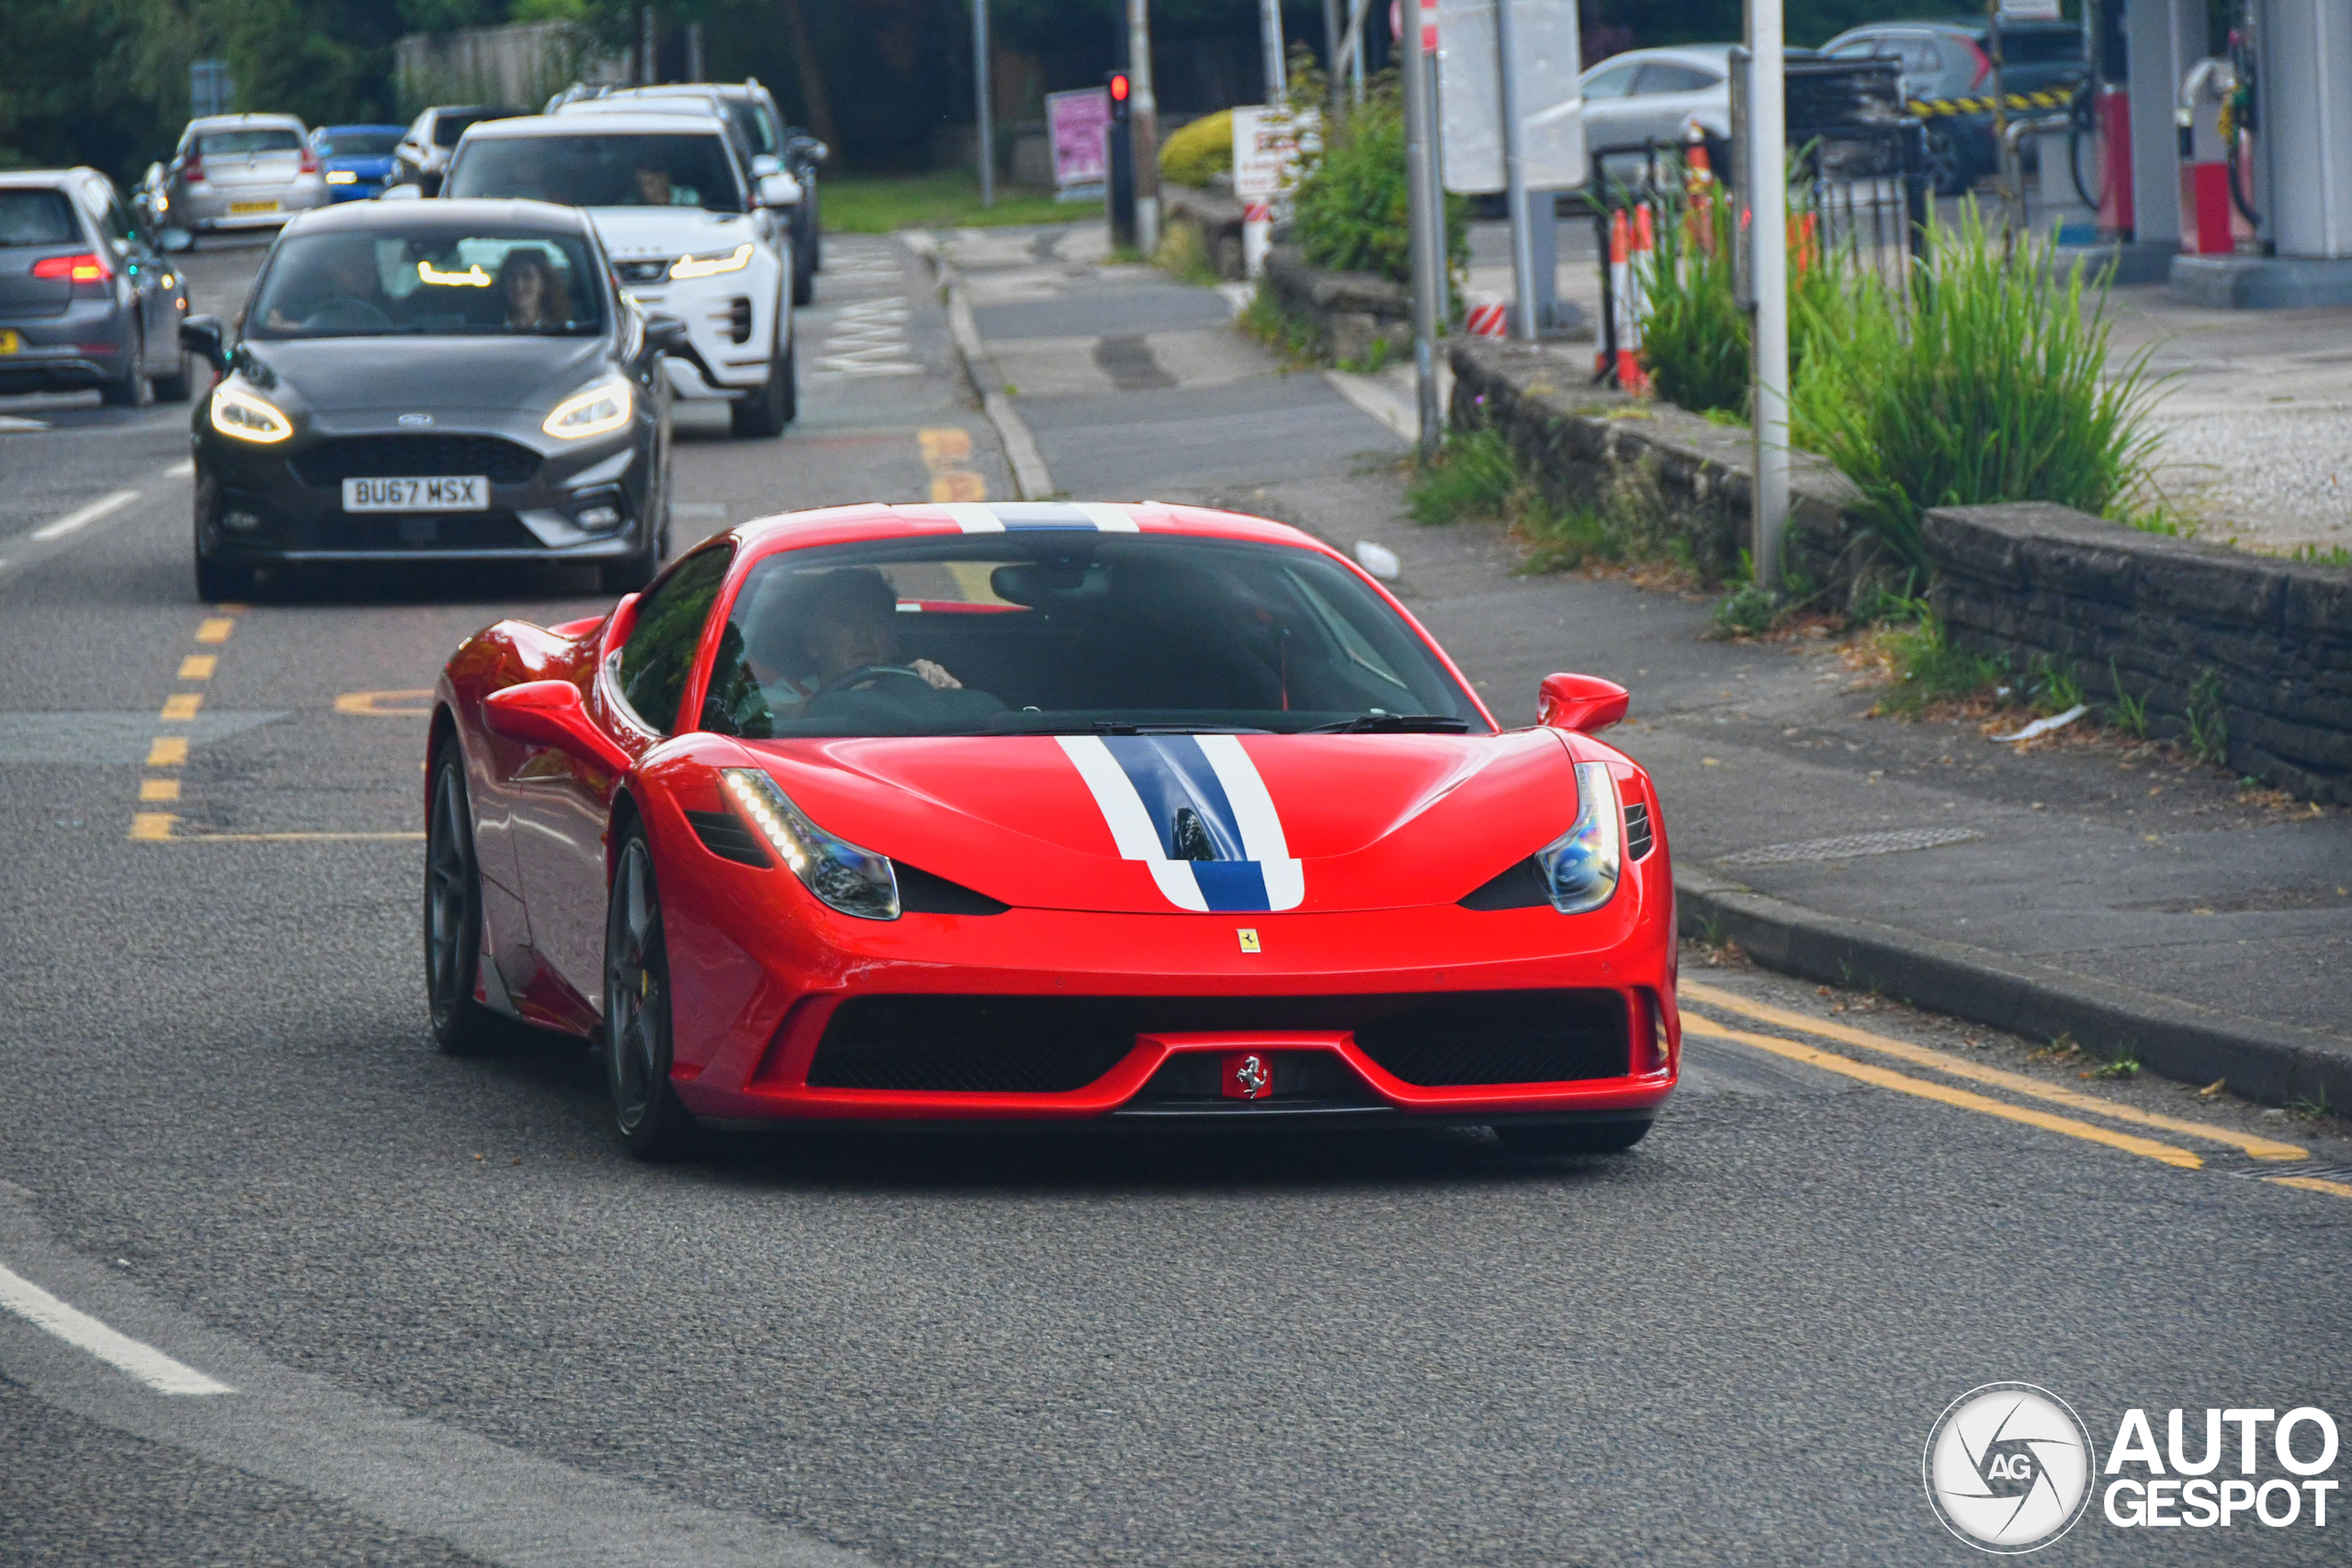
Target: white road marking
(81,516)
(183,469)
(10,422)
(84,1331)
(868,338)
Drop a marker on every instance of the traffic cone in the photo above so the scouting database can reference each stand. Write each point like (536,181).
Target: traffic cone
(1641,263)
(1621,298)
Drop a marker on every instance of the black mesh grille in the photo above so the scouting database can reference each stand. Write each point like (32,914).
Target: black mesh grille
(724,835)
(415,457)
(1503,1037)
(1056,1044)
(1637,830)
(738,317)
(443,530)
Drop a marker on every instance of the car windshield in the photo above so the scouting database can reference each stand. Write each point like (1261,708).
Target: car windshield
(36,218)
(1058,631)
(643,169)
(2040,46)
(362,143)
(444,283)
(236,144)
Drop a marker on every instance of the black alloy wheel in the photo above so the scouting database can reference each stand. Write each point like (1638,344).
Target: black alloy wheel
(767,411)
(1571,1138)
(461,1026)
(132,389)
(637,1009)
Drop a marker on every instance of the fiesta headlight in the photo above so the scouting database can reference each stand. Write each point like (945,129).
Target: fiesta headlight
(602,409)
(341,177)
(1580,866)
(735,260)
(855,881)
(248,418)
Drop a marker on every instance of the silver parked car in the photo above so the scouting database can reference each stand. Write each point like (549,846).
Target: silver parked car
(84,300)
(236,171)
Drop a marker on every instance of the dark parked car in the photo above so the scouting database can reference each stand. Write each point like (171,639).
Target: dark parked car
(1944,61)
(357,158)
(84,300)
(442,381)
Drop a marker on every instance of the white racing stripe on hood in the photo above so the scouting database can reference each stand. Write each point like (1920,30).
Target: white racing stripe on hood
(1261,824)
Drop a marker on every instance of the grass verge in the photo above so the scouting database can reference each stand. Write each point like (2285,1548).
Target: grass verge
(950,199)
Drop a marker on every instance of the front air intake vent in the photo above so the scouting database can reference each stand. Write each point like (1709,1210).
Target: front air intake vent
(1637,830)
(738,317)
(921,893)
(724,834)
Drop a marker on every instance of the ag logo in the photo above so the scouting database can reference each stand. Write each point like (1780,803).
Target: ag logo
(2008,1467)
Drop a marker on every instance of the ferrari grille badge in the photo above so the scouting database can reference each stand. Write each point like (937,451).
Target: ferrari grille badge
(1249,935)
(1248,1076)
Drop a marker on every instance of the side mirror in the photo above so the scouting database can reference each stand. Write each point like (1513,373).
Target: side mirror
(550,713)
(1586,703)
(428,181)
(665,332)
(779,190)
(200,335)
(765,164)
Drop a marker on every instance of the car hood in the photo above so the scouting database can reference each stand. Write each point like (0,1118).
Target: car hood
(633,232)
(405,374)
(1308,822)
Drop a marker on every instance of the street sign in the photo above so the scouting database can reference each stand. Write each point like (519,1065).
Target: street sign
(1076,123)
(2030,11)
(1266,145)
(209,91)
(1470,94)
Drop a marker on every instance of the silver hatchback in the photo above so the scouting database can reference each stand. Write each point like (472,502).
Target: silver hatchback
(236,171)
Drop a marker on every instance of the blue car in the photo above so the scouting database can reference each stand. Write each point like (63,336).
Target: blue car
(357,158)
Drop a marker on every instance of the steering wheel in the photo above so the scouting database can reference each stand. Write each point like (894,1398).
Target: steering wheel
(865,672)
(345,313)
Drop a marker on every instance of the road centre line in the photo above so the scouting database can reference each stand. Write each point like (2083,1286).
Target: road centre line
(168,751)
(199,666)
(1965,1100)
(216,628)
(84,1331)
(182,706)
(1960,1067)
(81,516)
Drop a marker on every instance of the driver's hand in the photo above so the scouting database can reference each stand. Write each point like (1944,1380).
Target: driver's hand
(936,678)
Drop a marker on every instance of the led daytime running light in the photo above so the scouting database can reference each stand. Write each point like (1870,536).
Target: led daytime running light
(472,277)
(735,260)
(855,881)
(602,409)
(248,418)
(1581,867)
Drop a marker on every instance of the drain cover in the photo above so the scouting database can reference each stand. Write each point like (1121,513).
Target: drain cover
(1851,845)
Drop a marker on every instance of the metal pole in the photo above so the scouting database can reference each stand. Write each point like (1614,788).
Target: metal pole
(983,101)
(1352,44)
(1523,228)
(1767,201)
(1333,67)
(1143,126)
(645,72)
(1423,220)
(1270,35)
(694,52)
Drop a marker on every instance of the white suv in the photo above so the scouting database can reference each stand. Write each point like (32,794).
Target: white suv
(687,230)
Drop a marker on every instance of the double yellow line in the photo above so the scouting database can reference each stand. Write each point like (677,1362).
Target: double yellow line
(1693,993)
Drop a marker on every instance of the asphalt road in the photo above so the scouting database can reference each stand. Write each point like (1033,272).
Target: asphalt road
(454,1325)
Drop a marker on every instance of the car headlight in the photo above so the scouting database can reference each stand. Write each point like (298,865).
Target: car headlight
(1580,866)
(341,177)
(602,409)
(735,260)
(248,418)
(855,881)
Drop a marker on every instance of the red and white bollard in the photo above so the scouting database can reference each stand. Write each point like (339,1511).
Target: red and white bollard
(1487,320)
(1257,235)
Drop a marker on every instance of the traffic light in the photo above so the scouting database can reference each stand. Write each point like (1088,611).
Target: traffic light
(1120,155)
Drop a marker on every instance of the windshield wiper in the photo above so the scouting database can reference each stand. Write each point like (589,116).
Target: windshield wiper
(1122,726)
(1395,724)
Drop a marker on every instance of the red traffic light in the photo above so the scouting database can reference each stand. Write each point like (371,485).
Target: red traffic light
(1118,86)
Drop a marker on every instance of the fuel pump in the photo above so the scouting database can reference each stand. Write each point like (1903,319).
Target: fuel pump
(2098,136)
(2215,116)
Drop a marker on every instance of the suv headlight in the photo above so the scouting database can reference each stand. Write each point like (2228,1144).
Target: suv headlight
(855,881)
(735,260)
(603,408)
(239,413)
(1580,866)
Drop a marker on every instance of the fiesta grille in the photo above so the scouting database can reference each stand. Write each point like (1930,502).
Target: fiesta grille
(1637,830)
(415,457)
(1058,1044)
(437,532)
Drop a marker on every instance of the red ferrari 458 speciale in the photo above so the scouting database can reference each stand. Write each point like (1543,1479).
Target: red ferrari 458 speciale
(1046,812)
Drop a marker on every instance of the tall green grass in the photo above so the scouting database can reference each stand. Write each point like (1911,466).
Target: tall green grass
(1985,381)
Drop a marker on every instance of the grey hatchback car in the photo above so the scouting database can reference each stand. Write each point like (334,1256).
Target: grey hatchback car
(238,171)
(84,300)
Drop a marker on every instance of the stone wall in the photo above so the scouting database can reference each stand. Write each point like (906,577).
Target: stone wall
(1215,214)
(1349,310)
(2261,646)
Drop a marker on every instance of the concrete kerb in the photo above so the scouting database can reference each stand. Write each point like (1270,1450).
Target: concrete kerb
(1030,476)
(2193,1044)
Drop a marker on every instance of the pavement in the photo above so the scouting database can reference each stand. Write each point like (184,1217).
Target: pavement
(446,1322)
(2143,906)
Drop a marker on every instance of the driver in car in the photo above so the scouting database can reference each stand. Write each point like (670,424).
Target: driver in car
(343,287)
(851,637)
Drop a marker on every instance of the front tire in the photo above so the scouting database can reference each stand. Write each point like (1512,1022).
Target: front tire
(1542,1141)
(132,389)
(461,1026)
(636,1045)
(766,411)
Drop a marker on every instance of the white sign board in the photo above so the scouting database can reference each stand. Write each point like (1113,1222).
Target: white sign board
(2030,11)
(1266,145)
(1470,90)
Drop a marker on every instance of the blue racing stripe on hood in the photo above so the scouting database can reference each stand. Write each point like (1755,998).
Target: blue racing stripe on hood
(1169,772)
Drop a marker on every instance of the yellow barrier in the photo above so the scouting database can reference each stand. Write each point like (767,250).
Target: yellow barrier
(1929,108)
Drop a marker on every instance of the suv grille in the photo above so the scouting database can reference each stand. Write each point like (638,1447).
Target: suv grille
(1058,1044)
(422,457)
